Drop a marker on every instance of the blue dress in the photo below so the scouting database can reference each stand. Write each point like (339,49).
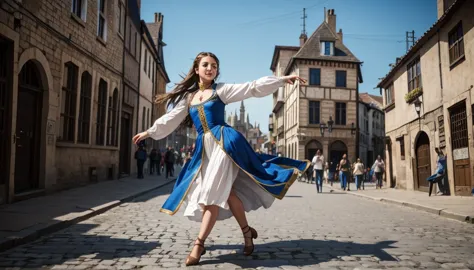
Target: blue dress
(223,160)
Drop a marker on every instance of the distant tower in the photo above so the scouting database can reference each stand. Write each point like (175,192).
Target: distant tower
(235,121)
(242,113)
(247,124)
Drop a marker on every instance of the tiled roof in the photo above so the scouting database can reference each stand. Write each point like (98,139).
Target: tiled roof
(311,49)
(276,54)
(371,99)
(422,40)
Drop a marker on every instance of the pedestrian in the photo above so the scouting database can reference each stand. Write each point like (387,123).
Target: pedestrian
(211,186)
(440,172)
(140,156)
(155,159)
(344,172)
(169,162)
(358,173)
(326,173)
(318,167)
(332,174)
(378,168)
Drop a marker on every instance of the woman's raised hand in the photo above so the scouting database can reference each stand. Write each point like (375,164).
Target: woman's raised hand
(139,137)
(291,79)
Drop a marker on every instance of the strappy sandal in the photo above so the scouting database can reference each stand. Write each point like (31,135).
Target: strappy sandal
(190,260)
(248,250)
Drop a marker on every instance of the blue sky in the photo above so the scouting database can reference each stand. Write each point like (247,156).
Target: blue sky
(243,34)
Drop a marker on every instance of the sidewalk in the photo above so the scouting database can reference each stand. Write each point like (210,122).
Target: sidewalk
(28,220)
(455,207)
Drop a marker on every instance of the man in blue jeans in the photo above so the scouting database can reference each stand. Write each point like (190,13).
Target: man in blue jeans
(318,168)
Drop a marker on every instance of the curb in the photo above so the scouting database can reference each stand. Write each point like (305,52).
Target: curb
(428,209)
(56,225)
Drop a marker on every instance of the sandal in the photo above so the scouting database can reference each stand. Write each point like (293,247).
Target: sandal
(248,250)
(190,260)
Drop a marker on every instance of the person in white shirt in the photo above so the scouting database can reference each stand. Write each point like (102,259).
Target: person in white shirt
(318,170)
(359,173)
(378,168)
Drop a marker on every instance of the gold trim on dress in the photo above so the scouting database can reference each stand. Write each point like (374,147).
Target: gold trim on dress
(202,117)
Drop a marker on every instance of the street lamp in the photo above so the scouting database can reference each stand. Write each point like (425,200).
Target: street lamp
(330,123)
(353,129)
(417,103)
(322,126)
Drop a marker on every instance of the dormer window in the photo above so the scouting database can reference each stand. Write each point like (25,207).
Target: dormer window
(327,48)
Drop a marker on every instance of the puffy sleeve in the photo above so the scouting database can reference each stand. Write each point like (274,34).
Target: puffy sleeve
(166,124)
(264,86)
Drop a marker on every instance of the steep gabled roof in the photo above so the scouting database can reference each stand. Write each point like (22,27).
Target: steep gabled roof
(371,99)
(276,54)
(311,48)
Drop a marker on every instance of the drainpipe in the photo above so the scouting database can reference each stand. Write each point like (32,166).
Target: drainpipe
(440,67)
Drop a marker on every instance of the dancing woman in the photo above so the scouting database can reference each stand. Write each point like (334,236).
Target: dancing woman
(225,177)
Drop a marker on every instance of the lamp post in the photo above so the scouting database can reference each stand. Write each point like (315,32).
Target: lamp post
(330,123)
(417,104)
(322,126)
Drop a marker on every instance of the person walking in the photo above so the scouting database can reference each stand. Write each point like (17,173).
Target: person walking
(140,156)
(344,172)
(358,173)
(378,168)
(225,177)
(155,159)
(169,162)
(318,167)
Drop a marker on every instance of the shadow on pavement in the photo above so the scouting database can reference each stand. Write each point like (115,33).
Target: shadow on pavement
(163,190)
(76,243)
(301,253)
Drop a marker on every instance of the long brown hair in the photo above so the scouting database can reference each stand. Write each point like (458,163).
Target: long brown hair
(188,86)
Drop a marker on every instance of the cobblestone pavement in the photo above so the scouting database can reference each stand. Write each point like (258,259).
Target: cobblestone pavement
(305,230)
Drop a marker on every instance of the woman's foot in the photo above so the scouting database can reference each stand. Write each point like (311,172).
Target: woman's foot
(249,234)
(196,253)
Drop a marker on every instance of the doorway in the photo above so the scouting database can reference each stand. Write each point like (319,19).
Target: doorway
(28,125)
(460,145)
(6,66)
(337,150)
(423,161)
(311,149)
(125,143)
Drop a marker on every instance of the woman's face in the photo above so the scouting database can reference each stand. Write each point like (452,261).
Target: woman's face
(207,69)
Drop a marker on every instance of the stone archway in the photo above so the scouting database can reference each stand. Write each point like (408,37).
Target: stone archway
(311,148)
(336,150)
(423,161)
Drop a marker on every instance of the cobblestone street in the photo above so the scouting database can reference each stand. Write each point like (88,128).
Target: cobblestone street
(305,230)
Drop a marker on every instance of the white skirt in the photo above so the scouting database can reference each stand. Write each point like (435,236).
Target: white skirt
(218,176)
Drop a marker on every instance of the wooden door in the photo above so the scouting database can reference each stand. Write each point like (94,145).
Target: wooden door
(6,63)
(28,128)
(423,161)
(460,144)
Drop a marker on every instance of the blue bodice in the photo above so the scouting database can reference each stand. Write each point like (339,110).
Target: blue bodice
(208,115)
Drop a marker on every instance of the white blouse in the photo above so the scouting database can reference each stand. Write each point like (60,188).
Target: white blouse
(228,93)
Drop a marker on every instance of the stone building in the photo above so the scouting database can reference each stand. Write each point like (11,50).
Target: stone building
(148,64)
(156,31)
(428,99)
(60,90)
(240,123)
(302,112)
(371,128)
(131,85)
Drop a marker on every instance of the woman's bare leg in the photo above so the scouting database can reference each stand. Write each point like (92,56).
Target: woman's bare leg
(209,218)
(237,209)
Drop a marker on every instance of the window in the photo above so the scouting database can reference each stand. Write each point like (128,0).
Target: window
(327,48)
(143,118)
(401,140)
(68,103)
(102,25)
(85,108)
(121,26)
(389,95)
(101,110)
(129,37)
(341,78)
(314,112)
(456,44)
(148,118)
(109,122)
(314,76)
(340,113)
(145,60)
(79,8)
(115,114)
(414,75)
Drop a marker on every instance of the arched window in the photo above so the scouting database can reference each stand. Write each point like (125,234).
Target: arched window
(115,113)
(110,122)
(101,111)
(85,108)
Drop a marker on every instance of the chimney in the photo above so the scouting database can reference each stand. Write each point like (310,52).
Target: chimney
(339,35)
(158,17)
(331,19)
(303,38)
